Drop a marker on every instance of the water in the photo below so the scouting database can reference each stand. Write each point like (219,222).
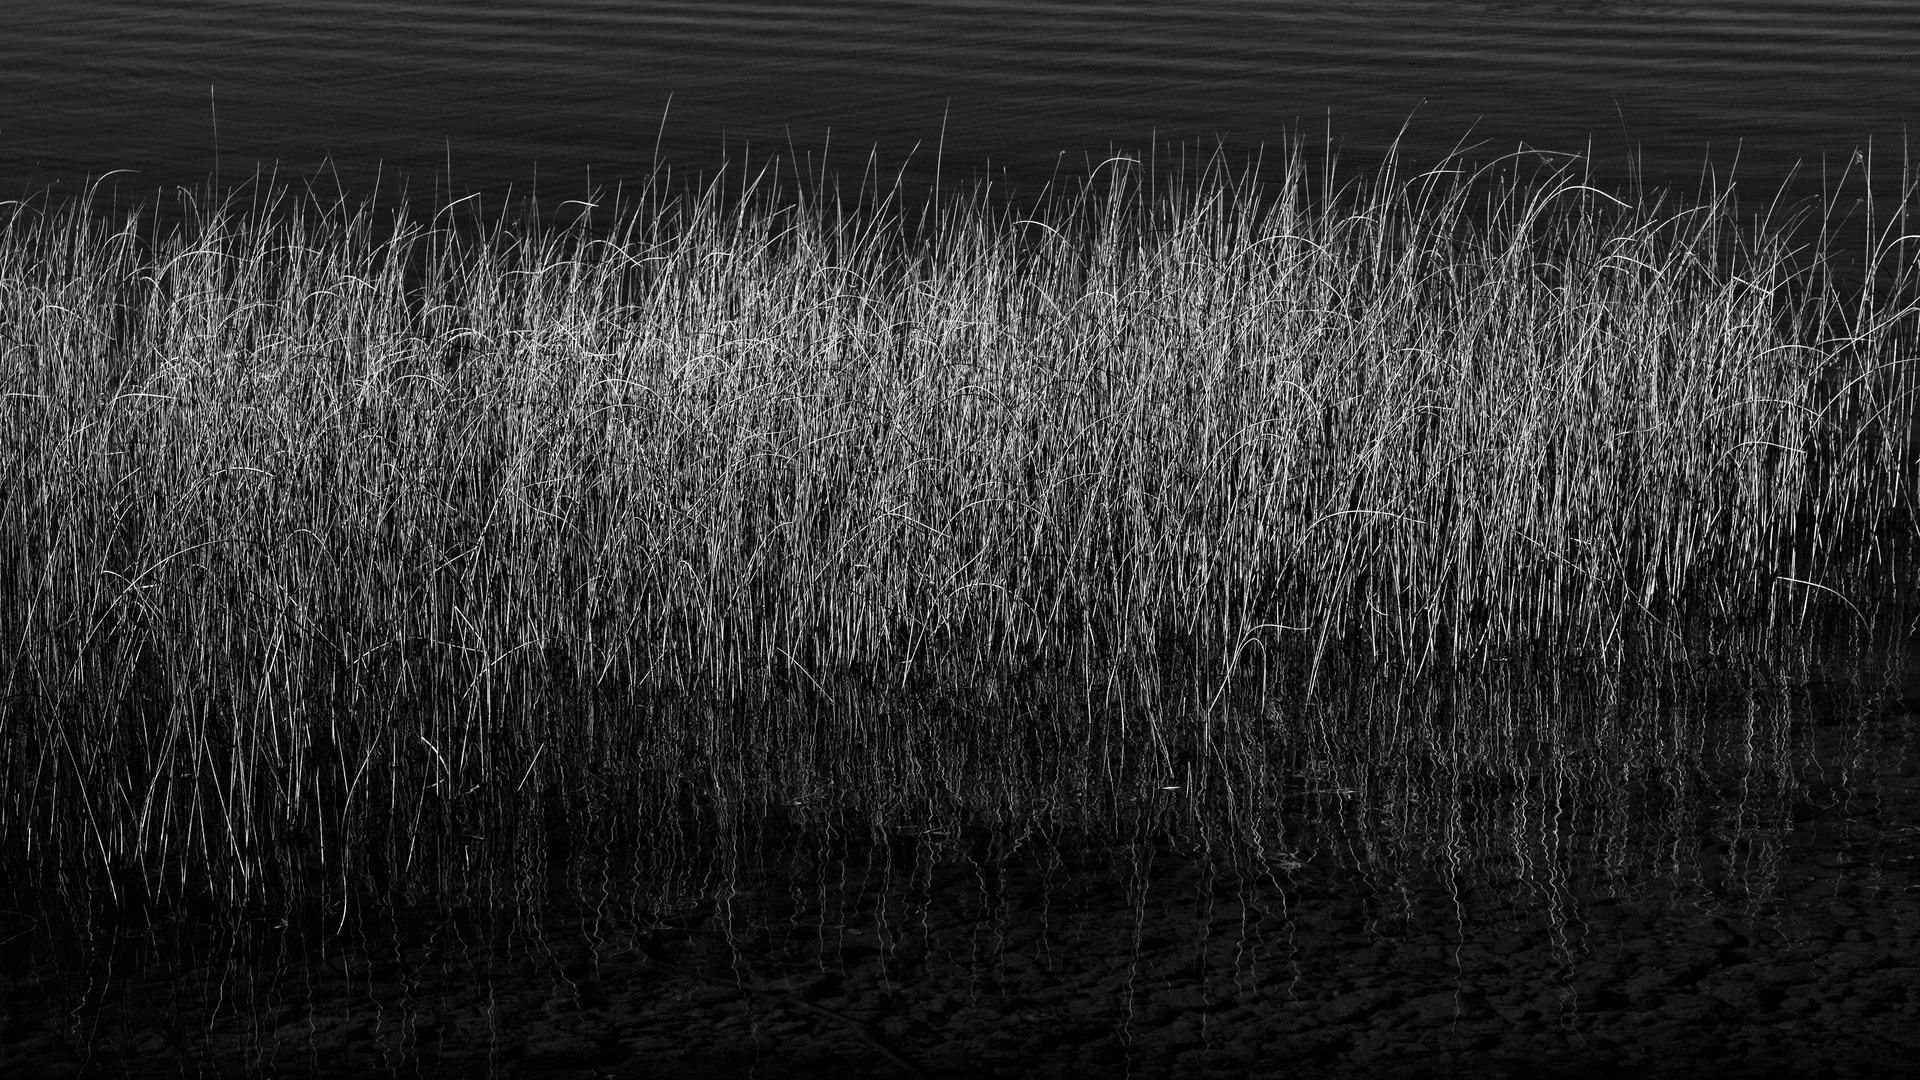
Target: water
(1727,885)
(1729,890)
(501,93)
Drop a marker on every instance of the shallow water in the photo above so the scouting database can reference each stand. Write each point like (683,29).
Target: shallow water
(503,92)
(1068,969)
(1751,908)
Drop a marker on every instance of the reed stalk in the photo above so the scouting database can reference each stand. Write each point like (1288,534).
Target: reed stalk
(331,539)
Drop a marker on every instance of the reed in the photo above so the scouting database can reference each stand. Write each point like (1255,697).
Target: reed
(339,547)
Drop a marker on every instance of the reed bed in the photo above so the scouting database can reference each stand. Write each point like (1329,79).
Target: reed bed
(339,546)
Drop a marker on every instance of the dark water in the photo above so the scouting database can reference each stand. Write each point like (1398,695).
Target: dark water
(504,92)
(1733,894)
(1726,887)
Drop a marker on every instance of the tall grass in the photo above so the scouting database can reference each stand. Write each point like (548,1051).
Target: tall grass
(336,544)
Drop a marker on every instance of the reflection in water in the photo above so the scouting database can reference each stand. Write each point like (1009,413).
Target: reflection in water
(1688,874)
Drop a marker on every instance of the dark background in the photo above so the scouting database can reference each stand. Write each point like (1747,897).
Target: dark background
(513,93)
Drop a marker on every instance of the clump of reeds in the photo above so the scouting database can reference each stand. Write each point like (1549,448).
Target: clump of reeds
(324,534)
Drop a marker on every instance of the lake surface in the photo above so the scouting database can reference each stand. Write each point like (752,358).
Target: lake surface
(509,92)
(1743,902)
(1687,871)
